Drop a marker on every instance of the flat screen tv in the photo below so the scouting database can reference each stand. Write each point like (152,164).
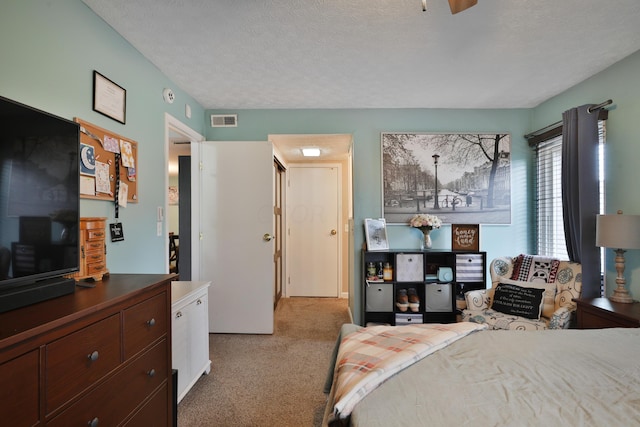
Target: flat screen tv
(39,204)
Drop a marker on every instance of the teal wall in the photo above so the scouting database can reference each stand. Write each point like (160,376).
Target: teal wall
(48,52)
(366,127)
(622,152)
(49,49)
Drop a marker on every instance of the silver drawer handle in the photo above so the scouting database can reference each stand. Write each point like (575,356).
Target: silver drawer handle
(93,422)
(199,302)
(179,314)
(152,373)
(93,356)
(151,322)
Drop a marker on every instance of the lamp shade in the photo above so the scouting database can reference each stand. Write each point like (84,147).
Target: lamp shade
(618,231)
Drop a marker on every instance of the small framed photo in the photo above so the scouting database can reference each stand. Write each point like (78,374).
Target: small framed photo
(465,237)
(375,232)
(174,195)
(109,98)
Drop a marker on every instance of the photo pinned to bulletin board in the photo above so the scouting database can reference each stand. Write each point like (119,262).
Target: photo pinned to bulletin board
(99,149)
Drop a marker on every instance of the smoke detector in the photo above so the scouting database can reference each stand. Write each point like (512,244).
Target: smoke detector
(168,96)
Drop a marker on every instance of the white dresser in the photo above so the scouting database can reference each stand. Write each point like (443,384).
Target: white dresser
(190,332)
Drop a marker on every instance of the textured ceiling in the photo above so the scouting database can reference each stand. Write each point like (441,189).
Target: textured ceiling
(241,54)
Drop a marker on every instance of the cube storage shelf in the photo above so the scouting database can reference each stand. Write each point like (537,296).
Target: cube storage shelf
(438,277)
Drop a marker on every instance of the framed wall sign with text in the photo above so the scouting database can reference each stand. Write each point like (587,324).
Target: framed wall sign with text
(465,237)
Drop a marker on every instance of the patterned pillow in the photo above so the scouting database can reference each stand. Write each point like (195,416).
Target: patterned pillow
(534,268)
(517,301)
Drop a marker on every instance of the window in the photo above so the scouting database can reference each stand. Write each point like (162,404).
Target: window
(550,227)
(549,219)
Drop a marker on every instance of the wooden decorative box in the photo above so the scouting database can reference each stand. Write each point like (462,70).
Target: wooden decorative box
(93,249)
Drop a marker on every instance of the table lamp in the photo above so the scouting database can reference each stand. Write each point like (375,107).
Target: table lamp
(619,232)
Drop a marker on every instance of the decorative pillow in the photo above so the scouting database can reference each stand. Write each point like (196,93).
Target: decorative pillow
(548,297)
(517,300)
(534,268)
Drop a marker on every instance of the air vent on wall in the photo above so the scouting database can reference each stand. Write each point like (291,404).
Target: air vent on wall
(224,120)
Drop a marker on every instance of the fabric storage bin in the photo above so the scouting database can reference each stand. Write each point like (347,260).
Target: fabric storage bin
(409,267)
(379,297)
(438,297)
(408,318)
(469,268)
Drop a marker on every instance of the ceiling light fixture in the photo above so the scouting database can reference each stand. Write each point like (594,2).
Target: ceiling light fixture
(311,152)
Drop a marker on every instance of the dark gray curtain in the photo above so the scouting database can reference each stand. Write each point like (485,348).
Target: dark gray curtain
(580,193)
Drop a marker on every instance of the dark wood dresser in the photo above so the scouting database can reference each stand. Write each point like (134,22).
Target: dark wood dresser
(597,313)
(98,357)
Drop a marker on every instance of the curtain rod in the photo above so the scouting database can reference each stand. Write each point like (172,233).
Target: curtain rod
(556,124)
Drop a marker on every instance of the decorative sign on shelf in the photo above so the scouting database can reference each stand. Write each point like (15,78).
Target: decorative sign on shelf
(465,237)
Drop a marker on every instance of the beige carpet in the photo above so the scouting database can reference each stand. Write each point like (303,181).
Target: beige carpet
(269,380)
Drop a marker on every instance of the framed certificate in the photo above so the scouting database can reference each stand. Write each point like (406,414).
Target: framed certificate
(109,98)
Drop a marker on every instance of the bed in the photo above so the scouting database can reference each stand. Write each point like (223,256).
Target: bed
(508,378)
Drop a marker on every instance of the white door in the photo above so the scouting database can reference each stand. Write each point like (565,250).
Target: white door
(236,221)
(313,219)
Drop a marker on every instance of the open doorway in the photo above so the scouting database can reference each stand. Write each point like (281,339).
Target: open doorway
(179,204)
(180,141)
(335,151)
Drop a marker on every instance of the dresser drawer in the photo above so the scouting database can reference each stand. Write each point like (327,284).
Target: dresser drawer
(93,223)
(97,234)
(144,323)
(95,267)
(112,401)
(95,256)
(95,247)
(78,360)
(153,413)
(20,401)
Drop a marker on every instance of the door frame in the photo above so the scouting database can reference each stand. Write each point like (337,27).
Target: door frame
(340,225)
(173,125)
(279,227)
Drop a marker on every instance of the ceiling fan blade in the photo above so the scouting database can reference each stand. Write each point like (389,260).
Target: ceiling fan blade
(460,5)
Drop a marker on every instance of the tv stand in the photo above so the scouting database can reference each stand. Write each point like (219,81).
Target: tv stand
(22,295)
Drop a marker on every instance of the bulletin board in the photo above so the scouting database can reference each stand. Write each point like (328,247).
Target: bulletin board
(99,149)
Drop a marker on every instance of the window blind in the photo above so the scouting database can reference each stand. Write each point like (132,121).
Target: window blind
(550,239)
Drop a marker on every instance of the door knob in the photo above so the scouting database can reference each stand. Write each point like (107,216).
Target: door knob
(267,237)
(334,232)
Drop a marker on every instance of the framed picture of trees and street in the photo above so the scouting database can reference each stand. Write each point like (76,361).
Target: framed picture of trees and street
(463,178)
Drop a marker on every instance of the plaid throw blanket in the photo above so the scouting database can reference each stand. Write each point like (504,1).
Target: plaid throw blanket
(371,355)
